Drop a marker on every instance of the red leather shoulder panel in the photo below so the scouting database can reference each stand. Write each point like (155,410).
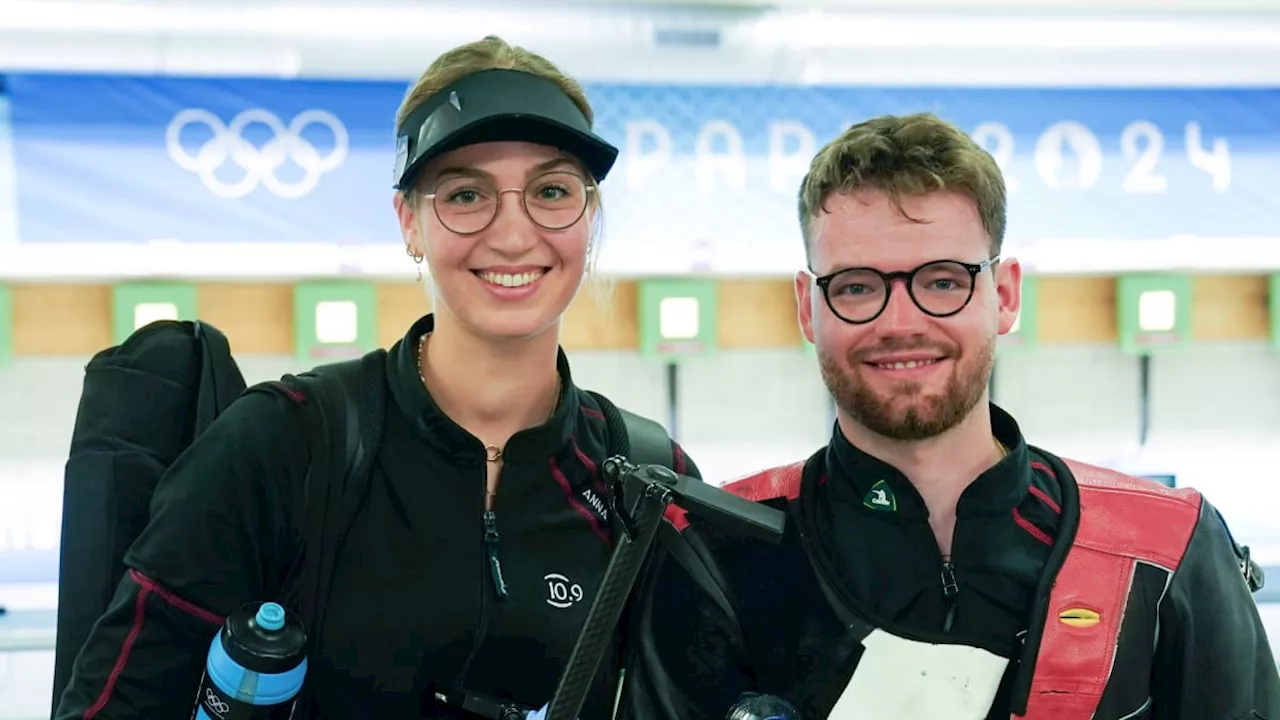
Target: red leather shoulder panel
(779,482)
(1137,518)
(1123,520)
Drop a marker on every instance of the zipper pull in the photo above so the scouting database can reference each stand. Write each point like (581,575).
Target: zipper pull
(950,589)
(491,548)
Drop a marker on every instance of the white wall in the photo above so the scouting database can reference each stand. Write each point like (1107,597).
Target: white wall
(1215,418)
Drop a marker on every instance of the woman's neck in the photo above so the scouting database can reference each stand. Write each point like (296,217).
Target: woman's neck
(493,390)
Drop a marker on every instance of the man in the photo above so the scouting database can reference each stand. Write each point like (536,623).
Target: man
(936,565)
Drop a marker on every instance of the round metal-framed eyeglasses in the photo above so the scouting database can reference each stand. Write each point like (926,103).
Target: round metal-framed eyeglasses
(467,205)
(940,288)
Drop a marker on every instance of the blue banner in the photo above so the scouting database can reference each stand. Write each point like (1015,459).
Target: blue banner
(125,159)
(706,179)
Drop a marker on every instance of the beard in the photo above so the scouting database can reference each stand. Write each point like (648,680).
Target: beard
(906,412)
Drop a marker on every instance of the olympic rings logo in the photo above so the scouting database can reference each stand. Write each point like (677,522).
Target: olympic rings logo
(215,704)
(259,165)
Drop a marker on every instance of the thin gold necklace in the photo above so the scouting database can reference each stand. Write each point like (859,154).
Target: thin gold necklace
(492,453)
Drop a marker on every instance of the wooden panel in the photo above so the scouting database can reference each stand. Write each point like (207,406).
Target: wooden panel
(604,316)
(61,319)
(758,313)
(257,318)
(1230,307)
(400,304)
(1077,310)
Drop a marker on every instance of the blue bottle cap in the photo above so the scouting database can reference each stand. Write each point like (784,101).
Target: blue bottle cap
(270,616)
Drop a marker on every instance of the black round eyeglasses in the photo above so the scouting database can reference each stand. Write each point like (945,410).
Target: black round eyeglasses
(940,289)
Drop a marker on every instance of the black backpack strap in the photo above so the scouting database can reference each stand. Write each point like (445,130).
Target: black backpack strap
(355,394)
(641,440)
(649,442)
(344,406)
(345,410)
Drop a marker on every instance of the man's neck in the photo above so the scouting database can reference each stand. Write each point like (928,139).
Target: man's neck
(941,467)
(494,390)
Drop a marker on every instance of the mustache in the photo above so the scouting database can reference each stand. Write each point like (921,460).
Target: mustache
(896,346)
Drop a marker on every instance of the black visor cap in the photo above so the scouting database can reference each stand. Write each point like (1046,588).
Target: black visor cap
(496,106)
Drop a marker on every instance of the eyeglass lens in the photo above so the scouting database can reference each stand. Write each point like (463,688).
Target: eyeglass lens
(940,288)
(554,201)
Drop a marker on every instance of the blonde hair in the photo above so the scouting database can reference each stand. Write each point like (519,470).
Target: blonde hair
(494,53)
(906,155)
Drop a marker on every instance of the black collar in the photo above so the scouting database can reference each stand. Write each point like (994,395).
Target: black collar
(882,488)
(532,445)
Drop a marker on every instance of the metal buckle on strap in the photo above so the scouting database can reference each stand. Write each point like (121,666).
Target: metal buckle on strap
(1252,572)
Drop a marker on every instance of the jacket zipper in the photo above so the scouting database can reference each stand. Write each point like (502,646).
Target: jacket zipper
(947,574)
(494,583)
(491,552)
(950,590)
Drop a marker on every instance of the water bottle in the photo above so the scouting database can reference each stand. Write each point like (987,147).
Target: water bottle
(256,666)
(752,706)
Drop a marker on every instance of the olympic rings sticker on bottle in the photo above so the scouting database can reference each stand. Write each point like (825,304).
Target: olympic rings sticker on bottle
(259,165)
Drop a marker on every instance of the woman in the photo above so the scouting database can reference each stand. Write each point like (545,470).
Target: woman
(473,560)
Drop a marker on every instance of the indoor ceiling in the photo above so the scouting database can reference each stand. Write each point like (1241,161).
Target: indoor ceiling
(741,41)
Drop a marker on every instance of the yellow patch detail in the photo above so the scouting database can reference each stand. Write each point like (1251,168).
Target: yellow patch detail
(1079,617)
